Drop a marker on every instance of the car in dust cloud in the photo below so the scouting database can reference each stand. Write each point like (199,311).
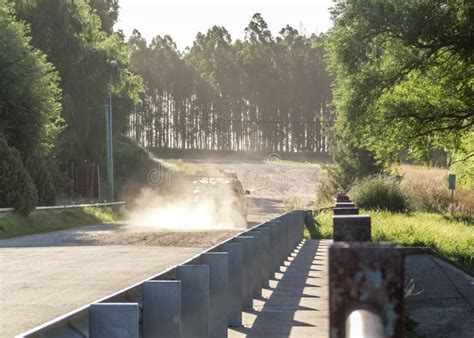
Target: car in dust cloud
(224,192)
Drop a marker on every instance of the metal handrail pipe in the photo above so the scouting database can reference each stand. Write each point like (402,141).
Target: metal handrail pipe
(363,323)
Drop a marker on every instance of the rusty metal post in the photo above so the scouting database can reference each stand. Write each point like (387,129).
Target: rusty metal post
(351,228)
(345,211)
(366,276)
(345,205)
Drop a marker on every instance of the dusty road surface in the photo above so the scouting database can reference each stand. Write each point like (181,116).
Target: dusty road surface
(46,275)
(272,184)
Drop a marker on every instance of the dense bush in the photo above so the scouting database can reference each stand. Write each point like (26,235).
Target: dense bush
(380,193)
(430,196)
(17,189)
(42,178)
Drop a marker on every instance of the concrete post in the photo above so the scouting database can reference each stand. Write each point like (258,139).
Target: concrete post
(247,273)
(194,300)
(345,211)
(235,256)
(162,309)
(218,292)
(351,228)
(118,320)
(366,276)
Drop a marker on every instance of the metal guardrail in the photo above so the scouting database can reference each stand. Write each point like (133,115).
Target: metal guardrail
(71,206)
(76,323)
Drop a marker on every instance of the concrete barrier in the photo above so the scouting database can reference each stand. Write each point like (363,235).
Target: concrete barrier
(162,309)
(194,300)
(118,320)
(248,274)
(234,301)
(366,276)
(218,292)
(351,228)
(345,211)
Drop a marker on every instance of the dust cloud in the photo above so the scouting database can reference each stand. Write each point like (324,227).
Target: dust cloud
(187,210)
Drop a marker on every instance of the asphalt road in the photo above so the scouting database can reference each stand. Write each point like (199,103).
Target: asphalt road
(39,284)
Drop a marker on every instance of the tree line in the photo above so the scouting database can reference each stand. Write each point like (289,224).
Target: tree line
(398,79)
(262,93)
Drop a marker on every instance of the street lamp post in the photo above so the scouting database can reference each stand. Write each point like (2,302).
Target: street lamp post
(110,148)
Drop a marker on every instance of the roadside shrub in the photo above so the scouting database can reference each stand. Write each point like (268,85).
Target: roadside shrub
(42,178)
(378,192)
(430,196)
(17,189)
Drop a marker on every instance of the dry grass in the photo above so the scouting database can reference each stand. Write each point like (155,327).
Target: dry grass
(422,173)
(428,188)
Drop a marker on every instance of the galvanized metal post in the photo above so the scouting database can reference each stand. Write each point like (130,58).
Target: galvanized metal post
(162,309)
(194,300)
(235,255)
(218,264)
(118,320)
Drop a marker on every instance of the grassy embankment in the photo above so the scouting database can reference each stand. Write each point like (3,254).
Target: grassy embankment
(451,238)
(14,225)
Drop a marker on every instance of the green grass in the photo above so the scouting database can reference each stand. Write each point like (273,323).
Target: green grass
(14,225)
(451,238)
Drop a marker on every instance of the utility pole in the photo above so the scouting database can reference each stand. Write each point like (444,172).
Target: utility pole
(109,136)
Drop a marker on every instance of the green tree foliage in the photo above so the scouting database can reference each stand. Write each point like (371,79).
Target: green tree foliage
(70,34)
(108,11)
(42,178)
(463,162)
(29,92)
(404,74)
(262,93)
(17,189)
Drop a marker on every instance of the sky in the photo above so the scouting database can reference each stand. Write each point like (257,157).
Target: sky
(183,19)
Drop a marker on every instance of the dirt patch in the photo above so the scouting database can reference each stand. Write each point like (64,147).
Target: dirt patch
(164,238)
